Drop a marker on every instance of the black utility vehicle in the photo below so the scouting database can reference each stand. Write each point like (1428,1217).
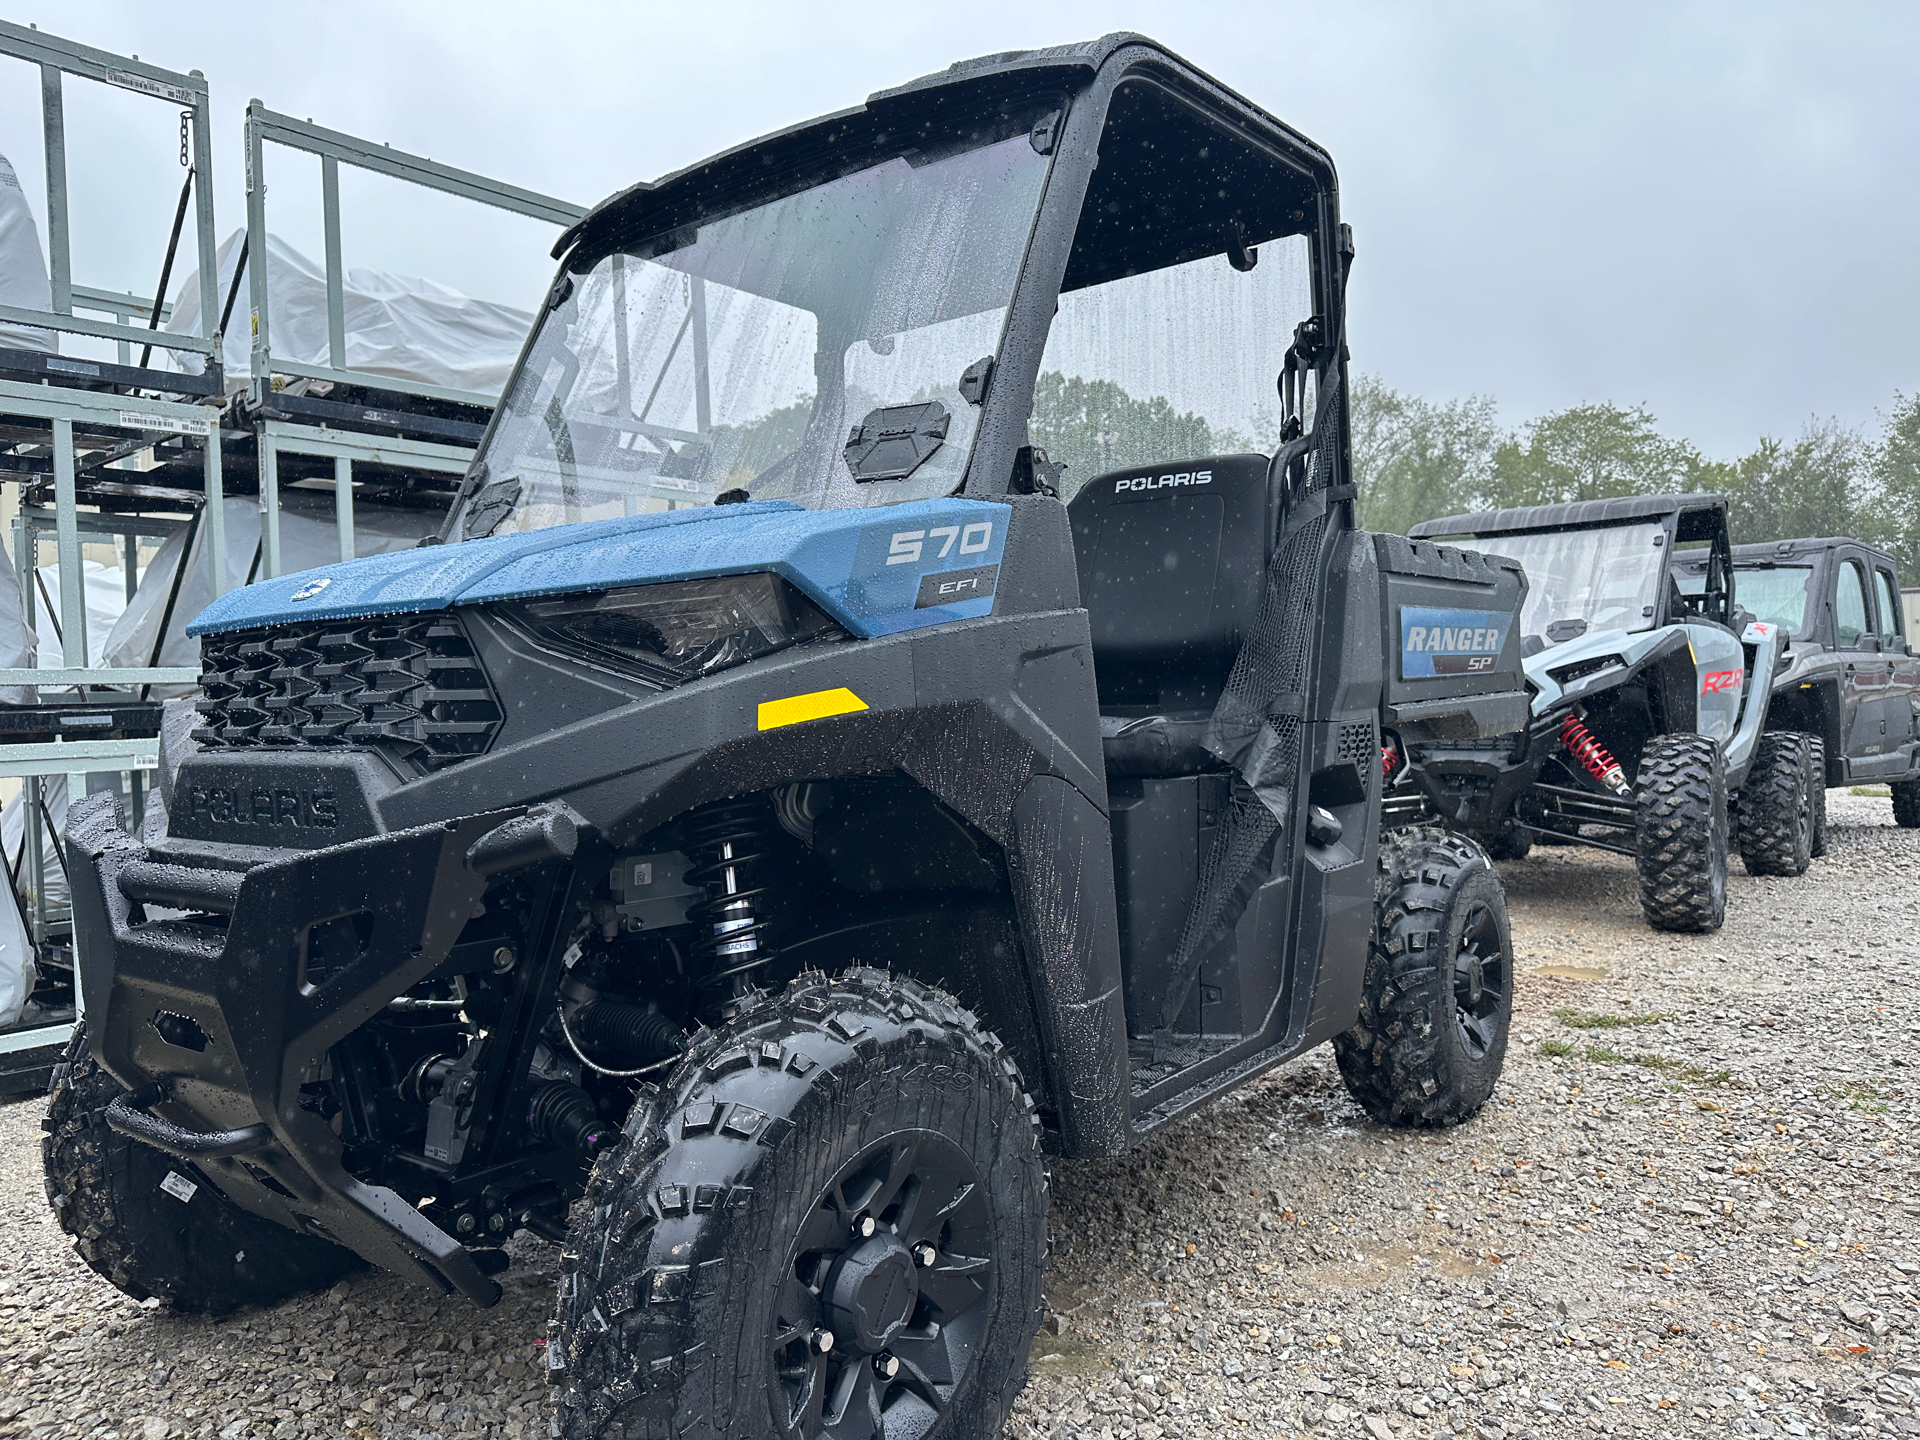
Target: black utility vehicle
(1849,681)
(1650,690)
(771,820)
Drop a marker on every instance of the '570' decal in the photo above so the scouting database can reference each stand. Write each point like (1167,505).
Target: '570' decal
(904,547)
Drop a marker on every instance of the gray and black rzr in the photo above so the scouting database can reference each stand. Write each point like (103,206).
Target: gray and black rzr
(1650,692)
(900,694)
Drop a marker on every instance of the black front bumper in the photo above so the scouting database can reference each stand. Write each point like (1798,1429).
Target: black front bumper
(217,1020)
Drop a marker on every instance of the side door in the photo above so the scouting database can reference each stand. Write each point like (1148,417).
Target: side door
(1900,704)
(1857,646)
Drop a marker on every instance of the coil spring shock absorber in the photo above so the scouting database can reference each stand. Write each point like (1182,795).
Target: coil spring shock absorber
(1592,754)
(728,842)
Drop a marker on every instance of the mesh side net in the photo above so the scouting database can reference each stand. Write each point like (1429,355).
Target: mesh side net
(1256,723)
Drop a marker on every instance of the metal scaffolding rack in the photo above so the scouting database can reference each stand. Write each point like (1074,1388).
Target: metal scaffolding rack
(63,417)
(371,419)
(150,451)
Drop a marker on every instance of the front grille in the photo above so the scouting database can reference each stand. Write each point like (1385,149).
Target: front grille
(409,687)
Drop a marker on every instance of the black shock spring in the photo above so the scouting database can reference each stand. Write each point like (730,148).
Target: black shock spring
(728,842)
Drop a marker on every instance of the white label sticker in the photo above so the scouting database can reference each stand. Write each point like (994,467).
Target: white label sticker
(178,1186)
(127,80)
(642,872)
(136,420)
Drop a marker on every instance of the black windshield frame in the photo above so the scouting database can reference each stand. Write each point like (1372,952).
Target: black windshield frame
(1062,105)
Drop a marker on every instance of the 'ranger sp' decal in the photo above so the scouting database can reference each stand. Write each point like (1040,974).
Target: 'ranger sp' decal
(1449,642)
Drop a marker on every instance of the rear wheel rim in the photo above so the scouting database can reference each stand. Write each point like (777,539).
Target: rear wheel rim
(1482,978)
(894,1376)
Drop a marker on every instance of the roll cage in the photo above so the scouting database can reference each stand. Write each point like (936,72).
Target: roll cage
(1069,101)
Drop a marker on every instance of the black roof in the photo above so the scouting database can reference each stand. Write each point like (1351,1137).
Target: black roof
(1811,545)
(1573,515)
(886,124)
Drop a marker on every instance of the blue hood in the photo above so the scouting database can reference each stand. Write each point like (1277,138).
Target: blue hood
(876,571)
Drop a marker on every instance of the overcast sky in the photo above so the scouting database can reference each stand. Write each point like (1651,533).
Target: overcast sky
(1710,209)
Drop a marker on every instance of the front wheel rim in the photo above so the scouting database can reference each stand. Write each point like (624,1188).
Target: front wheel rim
(1482,977)
(835,1376)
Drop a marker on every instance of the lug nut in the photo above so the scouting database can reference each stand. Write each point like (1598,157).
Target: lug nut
(886,1366)
(864,1226)
(925,1254)
(821,1340)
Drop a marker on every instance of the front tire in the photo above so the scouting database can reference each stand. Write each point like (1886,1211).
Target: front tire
(1680,834)
(1906,804)
(1437,1001)
(831,1221)
(1817,777)
(151,1224)
(1776,807)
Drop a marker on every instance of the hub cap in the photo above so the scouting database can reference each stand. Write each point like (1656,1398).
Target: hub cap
(904,1331)
(1480,980)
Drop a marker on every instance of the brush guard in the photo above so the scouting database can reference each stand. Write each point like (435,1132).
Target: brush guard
(214,1020)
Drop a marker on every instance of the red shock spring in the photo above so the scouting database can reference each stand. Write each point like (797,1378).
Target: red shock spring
(1389,759)
(1592,754)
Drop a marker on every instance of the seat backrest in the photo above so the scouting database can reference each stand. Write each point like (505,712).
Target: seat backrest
(1172,559)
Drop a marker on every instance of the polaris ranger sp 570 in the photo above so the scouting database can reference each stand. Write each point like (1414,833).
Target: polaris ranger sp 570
(772,819)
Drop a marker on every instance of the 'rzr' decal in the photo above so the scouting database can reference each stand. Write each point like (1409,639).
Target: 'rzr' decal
(1719,681)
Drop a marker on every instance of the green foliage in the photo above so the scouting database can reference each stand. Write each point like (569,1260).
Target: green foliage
(1093,426)
(1817,485)
(1414,460)
(1893,511)
(1603,1020)
(1590,452)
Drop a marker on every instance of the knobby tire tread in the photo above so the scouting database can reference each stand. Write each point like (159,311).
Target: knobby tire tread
(1681,833)
(1776,807)
(1906,804)
(653,1334)
(205,1254)
(1402,1060)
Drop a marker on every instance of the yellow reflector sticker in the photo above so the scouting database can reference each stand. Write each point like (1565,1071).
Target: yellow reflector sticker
(817,705)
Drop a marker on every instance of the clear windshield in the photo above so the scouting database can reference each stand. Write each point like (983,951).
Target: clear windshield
(1777,594)
(1609,578)
(810,349)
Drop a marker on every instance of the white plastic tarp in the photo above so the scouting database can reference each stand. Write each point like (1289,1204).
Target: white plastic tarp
(23,267)
(17,973)
(17,647)
(307,539)
(397,325)
(105,587)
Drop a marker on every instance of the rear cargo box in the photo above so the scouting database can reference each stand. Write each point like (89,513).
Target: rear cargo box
(1452,642)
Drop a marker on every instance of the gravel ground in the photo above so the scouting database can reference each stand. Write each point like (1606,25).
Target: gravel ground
(1694,1208)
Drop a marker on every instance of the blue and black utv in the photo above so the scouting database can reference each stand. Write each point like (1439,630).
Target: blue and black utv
(900,695)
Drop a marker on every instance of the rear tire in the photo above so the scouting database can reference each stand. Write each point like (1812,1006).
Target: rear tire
(1906,804)
(204,1253)
(1776,807)
(1437,1001)
(1512,843)
(1817,777)
(721,1283)
(1680,834)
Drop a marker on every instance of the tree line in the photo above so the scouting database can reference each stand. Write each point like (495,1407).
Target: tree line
(1418,459)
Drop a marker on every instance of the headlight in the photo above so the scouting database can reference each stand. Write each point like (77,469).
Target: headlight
(678,630)
(1581,669)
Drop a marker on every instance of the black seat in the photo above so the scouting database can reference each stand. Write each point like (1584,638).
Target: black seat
(1172,560)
